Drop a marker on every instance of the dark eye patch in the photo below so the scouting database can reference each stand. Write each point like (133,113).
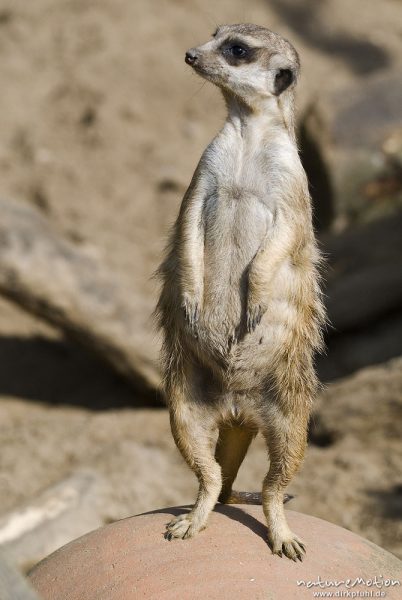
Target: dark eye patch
(236,52)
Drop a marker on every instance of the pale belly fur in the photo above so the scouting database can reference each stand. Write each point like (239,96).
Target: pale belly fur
(235,228)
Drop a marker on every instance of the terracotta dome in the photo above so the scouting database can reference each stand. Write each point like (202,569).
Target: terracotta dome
(131,559)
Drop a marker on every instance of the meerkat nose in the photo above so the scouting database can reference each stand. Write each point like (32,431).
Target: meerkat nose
(191,57)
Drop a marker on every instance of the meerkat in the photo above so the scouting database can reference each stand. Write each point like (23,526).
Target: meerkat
(240,306)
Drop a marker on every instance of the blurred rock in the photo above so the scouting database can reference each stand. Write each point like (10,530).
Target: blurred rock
(348,352)
(47,275)
(318,24)
(363,275)
(13,585)
(58,515)
(355,132)
(363,296)
(352,471)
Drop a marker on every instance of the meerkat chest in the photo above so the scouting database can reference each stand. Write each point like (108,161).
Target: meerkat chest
(236,214)
(240,207)
(236,222)
(248,168)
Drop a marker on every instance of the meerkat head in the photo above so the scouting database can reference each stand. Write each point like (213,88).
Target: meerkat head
(248,61)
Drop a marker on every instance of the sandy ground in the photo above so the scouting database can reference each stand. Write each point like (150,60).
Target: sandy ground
(102,125)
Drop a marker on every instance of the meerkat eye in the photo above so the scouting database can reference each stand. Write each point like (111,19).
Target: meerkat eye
(237,51)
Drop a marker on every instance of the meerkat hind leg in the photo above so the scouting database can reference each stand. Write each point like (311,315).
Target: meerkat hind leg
(286,439)
(193,438)
(231,448)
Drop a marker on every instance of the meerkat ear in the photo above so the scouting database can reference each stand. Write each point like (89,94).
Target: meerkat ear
(283,79)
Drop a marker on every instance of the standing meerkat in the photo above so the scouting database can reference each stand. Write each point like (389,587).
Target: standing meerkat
(240,305)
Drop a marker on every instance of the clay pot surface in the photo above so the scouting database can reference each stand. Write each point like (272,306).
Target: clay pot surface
(131,559)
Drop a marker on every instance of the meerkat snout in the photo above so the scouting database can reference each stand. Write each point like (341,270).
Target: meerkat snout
(249,61)
(191,57)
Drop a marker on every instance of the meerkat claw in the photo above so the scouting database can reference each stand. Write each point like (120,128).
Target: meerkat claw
(294,550)
(191,315)
(254,316)
(232,340)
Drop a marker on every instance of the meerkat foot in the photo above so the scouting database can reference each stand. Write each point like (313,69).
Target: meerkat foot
(183,527)
(286,543)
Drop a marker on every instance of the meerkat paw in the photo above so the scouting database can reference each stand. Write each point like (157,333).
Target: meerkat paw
(255,312)
(182,527)
(192,309)
(288,544)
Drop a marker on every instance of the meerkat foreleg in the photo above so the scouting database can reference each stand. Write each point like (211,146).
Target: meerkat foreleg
(262,270)
(191,254)
(192,433)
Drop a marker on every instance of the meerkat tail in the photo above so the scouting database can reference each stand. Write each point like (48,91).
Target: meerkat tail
(250,498)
